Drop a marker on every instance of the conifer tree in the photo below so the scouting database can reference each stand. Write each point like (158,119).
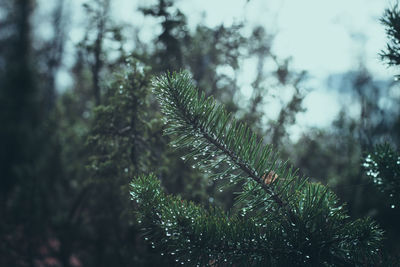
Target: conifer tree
(383,164)
(279,218)
(119,143)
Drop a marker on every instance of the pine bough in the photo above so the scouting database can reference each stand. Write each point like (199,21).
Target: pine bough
(280,218)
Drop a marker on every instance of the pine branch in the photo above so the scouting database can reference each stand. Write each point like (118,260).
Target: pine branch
(210,132)
(191,234)
(285,220)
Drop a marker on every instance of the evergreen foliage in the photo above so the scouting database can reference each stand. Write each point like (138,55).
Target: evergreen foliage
(280,219)
(383,168)
(119,144)
(391,20)
(122,122)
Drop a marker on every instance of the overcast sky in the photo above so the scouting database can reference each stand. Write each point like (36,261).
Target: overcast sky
(323,36)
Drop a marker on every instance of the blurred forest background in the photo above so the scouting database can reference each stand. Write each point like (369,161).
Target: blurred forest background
(67,156)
